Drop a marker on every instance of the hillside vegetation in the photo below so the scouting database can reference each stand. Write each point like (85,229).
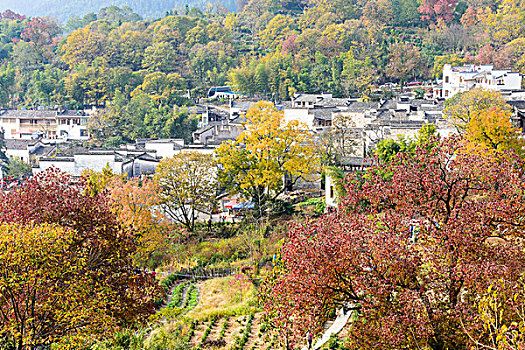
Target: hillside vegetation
(140,69)
(64,9)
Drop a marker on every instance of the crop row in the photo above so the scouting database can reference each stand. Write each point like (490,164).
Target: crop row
(176,297)
(240,341)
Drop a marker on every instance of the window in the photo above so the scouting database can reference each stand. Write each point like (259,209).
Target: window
(331,191)
(446,93)
(446,79)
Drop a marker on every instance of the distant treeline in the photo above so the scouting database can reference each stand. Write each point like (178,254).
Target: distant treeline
(141,68)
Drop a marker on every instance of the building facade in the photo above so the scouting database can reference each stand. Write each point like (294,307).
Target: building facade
(458,79)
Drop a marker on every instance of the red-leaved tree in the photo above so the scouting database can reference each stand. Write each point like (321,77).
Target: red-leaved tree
(440,10)
(124,294)
(412,246)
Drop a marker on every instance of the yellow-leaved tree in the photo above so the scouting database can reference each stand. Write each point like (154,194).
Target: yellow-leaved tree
(484,118)
(187,185)
(493,128)
(46,294)
(460,108)
(270,155)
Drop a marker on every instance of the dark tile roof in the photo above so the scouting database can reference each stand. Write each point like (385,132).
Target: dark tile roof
(242,105)
(333,102)
(519,104)
(323,113)
(19,144)
(285,104)
(361,107)
(44,150)
(10,113)
(57,159)
(388,104)
(306,98)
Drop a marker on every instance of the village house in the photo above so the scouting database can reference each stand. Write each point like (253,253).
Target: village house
(131,164)
(28,151)
(465,78)
(48,124)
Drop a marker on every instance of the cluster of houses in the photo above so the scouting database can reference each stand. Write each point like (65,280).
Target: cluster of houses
(42,137)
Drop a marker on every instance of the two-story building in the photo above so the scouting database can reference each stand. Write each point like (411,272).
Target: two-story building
(465,78)
(47,124)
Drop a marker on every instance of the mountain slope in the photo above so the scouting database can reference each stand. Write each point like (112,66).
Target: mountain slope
(63,9)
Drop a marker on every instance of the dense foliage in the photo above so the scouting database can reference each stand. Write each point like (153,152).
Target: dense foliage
(269,150)
(64,9)
(67,265)
(141,69)
(414,245)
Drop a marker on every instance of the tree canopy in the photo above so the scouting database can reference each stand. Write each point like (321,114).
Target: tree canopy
(69,264)
(411,253)
(187,185)
(270,155)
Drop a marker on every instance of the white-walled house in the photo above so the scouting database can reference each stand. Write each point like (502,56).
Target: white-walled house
(48,124)
(165,147)
(458,79)
(330,184)
(302,115)
(129,163)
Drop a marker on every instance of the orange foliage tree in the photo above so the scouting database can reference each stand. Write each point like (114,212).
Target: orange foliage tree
(134,202)
(95,254)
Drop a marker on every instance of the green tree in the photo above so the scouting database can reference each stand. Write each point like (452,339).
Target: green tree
(387,149)
(188,186)
(17,168)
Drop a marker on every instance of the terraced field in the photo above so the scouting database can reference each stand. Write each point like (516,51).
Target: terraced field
(235,333)
(216,320)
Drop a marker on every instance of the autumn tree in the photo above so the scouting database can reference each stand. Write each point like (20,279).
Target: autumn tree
(85,44)
(135,204)
(500,310)
(459,108)
(438,10)
(411,253)
(440,61)
(277,30)
(187,186)
(267,152)
(125,295)
(42,279)
(493,128)
(404,62)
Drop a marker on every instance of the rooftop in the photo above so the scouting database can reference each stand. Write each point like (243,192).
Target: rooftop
(19,144)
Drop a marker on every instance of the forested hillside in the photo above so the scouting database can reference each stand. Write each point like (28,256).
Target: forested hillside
(64,9)
(140,69)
